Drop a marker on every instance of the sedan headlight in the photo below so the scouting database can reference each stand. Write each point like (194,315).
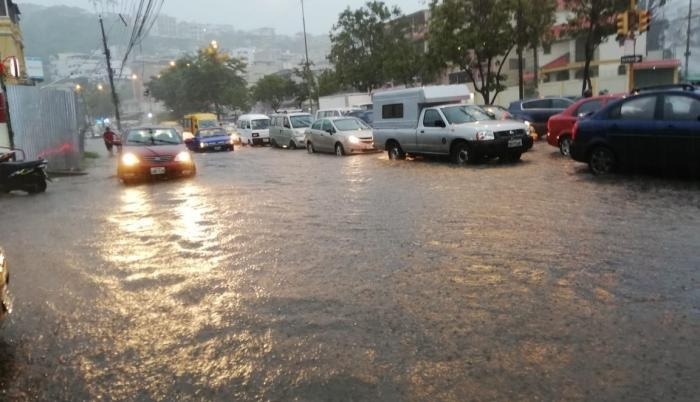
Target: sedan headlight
(527,123)
(130,160)
(183,157)
(353,139)
(202,145)
(485,135)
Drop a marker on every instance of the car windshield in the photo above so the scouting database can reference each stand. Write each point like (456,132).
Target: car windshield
(260,124)
(464,114)
(350,124)
(151,136)
(212,133)
(301,121)
(208,124)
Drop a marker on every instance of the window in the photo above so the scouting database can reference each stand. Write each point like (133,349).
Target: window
(588,107)
(317,125)
(678,107)
(547,48)
(286,124)
(327,126)
(559,103)
(622,69)
(393,111)
(636,109)
(431,117)
(538,104)
(580,49)
(562,76)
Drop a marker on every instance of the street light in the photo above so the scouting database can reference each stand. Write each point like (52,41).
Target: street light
(134,77)
(172,63)
(100,87)
(78,87)
(214,44)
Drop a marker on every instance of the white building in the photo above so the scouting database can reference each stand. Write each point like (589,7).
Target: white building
(83,65)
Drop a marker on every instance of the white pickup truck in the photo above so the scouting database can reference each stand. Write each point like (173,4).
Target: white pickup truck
(437,121)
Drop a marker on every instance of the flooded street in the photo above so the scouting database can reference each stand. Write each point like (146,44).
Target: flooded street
(275,275)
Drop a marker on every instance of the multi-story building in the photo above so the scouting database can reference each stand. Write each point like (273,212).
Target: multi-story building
(11,44)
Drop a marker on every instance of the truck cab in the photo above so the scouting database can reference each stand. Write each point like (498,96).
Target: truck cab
(441,121)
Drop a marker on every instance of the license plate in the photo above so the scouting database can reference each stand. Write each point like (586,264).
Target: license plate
(158,170)
(266,140)
(217,148)
(515,143)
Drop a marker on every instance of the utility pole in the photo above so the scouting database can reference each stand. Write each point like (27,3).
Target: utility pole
(521,84)
(110,74)
(687,40)
(307,72)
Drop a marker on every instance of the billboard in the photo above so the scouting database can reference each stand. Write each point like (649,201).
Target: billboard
(35,68)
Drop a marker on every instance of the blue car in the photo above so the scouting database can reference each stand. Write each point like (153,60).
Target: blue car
(210,139)
(658,129)
(538,111)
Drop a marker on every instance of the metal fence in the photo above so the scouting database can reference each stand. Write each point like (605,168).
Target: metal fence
(45,123)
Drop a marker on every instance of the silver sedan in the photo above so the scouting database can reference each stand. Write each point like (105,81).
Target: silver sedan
(340,135)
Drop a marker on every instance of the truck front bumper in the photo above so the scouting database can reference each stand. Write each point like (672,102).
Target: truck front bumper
(502,146)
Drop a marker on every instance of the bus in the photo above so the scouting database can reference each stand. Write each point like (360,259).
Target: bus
(191,123)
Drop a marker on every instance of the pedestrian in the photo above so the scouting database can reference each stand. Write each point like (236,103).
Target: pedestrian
(109,137)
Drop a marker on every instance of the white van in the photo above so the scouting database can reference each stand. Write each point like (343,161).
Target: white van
(254,129)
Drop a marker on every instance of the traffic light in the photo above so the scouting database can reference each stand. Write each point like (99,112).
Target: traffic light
(623,20)
(644,20)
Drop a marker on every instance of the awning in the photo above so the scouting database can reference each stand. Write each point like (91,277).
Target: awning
(654,64)
(561,61)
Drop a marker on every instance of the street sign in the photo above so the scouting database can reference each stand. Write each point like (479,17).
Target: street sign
(631,59)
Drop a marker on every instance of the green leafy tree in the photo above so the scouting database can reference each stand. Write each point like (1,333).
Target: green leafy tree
(594,21)
(359,43)
(210,81)
(307,88)
(475,36)
(534,20)
(273,90)
(328,83)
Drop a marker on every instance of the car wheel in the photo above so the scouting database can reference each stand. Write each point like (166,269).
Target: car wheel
(38,185)
(310,147)
(461,154)
(602,161)
(395,152)
(339,151)
(292,145)
(565,146)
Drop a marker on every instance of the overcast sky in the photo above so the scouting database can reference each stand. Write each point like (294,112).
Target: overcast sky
(283,15)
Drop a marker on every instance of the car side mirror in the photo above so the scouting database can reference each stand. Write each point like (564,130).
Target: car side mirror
(440,123)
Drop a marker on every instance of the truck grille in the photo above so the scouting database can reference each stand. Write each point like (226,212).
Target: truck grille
(509,133)
(160,158)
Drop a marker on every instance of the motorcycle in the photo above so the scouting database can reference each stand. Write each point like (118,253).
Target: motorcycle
(29,176)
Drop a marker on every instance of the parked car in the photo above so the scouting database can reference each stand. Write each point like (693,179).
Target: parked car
(288,130)
(561,125)
(466,133)
(339,112)
(341,135)
(5,297)
(538,111)
(653,129)
(365,115)
(210,139)
(254,129)
(153,153)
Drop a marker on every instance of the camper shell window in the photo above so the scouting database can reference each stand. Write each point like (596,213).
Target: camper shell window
(393,111)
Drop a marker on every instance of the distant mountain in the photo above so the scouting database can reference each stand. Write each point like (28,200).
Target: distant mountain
(61,29)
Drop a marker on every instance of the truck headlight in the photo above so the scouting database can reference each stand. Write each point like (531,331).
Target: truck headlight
(130,160)
(353,139)
(183,157)
(485,135)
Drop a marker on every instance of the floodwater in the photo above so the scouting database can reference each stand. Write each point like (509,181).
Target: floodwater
(280,276)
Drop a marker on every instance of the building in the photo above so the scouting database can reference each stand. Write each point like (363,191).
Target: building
(35,69)
(91,66)
(11,44)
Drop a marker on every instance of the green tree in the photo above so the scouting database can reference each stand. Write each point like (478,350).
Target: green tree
(307,88)
(273,90)
(328,83)
(594,22)
(475,36)
(534,20)
(210,81)
(359,43)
